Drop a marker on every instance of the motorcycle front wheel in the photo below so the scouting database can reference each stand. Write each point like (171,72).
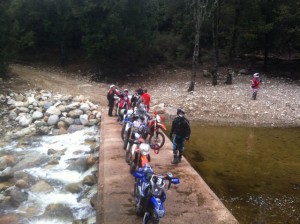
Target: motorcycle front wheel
(151,217)
(123,132)
(157,140)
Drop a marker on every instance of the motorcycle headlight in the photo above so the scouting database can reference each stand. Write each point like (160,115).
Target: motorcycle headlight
(158,184)
(145,148)
(136,135)
(158,118)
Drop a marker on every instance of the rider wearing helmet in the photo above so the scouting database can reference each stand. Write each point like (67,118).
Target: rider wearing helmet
(255,85)
(181,129)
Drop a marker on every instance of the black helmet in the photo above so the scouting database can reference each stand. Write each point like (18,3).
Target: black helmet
(180,111)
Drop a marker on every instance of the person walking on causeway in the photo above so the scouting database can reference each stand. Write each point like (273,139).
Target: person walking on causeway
(181,129)
(111,99)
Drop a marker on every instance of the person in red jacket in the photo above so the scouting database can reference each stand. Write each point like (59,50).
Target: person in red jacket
(147,98)
(255,85)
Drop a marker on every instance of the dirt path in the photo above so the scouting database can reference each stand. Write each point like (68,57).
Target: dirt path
(278,102)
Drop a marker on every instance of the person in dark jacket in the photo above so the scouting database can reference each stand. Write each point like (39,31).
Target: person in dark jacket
(181,129)
(111,99)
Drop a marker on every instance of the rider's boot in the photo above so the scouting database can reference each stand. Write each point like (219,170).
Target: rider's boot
(180,156)
(175,161)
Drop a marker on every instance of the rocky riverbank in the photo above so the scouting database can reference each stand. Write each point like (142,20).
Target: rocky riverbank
(24,156)
(42,113)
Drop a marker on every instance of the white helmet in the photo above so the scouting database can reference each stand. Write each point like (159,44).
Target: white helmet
(256,75)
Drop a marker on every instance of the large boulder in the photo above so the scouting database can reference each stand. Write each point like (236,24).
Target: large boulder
(30,160)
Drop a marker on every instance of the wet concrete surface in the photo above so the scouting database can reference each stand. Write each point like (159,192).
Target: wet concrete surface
(192,201)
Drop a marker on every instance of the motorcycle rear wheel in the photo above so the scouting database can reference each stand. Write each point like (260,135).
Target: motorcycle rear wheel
(157,140)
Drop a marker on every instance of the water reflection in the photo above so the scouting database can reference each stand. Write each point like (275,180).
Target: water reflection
(254,171)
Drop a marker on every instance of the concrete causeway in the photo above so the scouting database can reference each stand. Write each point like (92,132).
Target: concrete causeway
(192,201)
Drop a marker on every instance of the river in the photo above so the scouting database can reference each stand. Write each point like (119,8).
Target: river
(254,171)
(49,200)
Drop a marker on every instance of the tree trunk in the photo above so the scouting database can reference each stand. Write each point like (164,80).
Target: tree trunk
(200,12)
(234,40)
(215,31)
(196,45)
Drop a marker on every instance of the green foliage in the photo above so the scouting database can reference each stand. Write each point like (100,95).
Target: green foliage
(136,32)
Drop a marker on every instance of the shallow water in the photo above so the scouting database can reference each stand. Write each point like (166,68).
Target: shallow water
(254,171)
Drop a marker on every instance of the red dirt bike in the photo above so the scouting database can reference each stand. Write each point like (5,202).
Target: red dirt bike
(157,138)
(138,154)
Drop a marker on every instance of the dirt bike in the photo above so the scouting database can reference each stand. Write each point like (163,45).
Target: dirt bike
(139,154)
(138,125)
(157,138)
(127,117)
(149,193)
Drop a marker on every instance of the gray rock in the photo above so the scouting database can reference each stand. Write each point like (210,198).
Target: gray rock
(25,120)
(80,165)
(89,180)
(84,107)
(75,113)
(30,160)
(69,120)
(19,97)
(74,188)
(53,119)
(19,104)
(53,111)
(84,119)
(42,186)
(37,115)
(22,184)
(12,115)
(23,109)
(47,105)
(73,106)
(92,122)
(62,108)
(17,196)
(6,174)
(77,121)
(11,101)
(31,100)
(58,211)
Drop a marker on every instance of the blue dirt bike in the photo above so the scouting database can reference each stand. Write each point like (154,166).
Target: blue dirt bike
(150,194)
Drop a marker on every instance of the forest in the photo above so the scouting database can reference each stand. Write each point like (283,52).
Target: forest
(130,34)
